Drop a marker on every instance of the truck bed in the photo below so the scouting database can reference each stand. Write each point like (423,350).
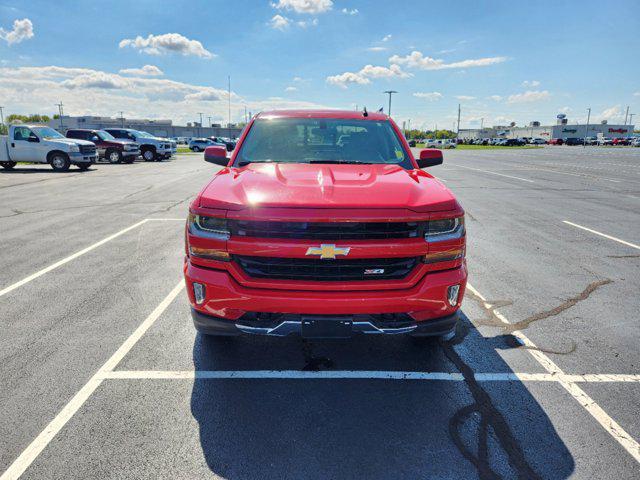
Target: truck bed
(4,148)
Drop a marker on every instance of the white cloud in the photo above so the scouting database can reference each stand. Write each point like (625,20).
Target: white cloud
(417,60)
(167,43)
(346,78)
(278,22)
(307,23)
(529,96)
(531,83)
(386,38)
(353,11)
(430,96)
(304,6)
(291,89)
(93,92)
(363,76)
(377,49)
(22,30)
(612,113)
(147,71)
(566,109)
(637,94)
(464,98)
(496,98)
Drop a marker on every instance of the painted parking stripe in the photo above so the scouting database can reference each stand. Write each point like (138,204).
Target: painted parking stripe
(363,374)
(79,253)
(588,403)
(615,239)
(59,263)
(34,449)
(493,173)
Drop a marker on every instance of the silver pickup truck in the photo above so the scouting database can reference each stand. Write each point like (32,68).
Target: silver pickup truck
(42,144)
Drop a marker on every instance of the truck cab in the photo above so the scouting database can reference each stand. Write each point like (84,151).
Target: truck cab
(43,144)
(152,148)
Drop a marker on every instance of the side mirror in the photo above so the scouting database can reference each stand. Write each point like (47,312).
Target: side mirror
(430,157)
(33,139)
(216,155)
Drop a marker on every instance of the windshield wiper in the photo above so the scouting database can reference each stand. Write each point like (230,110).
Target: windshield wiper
(244,163)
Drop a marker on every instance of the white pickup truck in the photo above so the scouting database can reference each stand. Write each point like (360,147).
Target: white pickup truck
(42,144)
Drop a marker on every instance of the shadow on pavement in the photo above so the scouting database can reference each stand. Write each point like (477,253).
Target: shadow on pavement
(369,428)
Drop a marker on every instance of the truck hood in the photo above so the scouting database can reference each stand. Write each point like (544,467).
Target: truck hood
(68,141)
(326,186)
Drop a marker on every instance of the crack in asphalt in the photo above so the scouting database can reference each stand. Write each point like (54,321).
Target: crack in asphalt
(493,321)
(491,419)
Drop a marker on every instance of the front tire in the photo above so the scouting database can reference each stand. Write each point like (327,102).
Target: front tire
(114,156)
(60,162)
(8,165)
(149,155)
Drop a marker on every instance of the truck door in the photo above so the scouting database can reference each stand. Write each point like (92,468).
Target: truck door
(21,149)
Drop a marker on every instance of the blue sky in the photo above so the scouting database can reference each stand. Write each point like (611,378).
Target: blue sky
(503,61)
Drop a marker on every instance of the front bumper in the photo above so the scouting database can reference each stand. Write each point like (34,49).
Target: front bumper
(77,157)
(229,304)
(130,153)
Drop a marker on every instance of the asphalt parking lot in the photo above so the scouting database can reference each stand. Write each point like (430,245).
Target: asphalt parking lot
(103,376)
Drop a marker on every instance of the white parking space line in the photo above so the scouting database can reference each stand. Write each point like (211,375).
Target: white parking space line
(615,239)
(59,263)
(492,173)
(362,374)
(79,253)
(588,403)
(34,449)
(583,175)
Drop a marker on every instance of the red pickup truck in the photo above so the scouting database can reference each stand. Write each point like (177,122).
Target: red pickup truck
(323,224)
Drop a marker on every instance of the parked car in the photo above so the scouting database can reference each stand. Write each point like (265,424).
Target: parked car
(430,143)
(108,147)
(199,144)
(42,144)
(635,142)
(556,141)
(230,144)
(605,141)
(514,142)
(152,148)
(538,141)
(591,141)
(311,279)
(621,141)
(573,141)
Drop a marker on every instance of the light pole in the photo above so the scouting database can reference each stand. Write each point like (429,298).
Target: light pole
(121,119)
(200,125)
(586,129)
(630,116)
(626,115)
(59,105)
(229,102)
(458,129)
(389,92)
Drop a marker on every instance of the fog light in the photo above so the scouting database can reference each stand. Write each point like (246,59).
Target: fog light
(198,292)
(452,295)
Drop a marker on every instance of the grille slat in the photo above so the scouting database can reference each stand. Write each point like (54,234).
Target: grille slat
(325,270)
(87,149)
(326,230)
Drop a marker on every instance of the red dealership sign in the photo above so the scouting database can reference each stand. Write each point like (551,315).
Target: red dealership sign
(618,130)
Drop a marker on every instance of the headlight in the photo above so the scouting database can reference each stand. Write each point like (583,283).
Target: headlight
(74,148)
(211,227)
(444,229)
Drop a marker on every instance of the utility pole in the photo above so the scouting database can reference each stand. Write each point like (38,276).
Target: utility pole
(121,119)
(209,121)
(389,92)
(626,115)
(59,105)
(630,116)
(458,129)
(229,100)
(586,129)
(200,125)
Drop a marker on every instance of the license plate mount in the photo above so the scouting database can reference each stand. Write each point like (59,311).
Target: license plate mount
(326,327)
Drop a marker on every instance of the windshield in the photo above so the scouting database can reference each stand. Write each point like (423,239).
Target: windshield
(333,140)
(138,133)
(105,135)
(47,132)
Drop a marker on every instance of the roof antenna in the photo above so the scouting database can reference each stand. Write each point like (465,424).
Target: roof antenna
(365,113)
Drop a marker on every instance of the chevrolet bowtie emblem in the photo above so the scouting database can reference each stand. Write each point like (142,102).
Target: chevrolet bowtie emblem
(328,251)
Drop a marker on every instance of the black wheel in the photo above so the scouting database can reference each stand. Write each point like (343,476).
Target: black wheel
(149,155)
(114,156)
(8,165)
(60,162)
(83,166)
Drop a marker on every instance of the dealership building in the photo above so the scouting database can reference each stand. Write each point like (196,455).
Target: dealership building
(563,129)
(160,128)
